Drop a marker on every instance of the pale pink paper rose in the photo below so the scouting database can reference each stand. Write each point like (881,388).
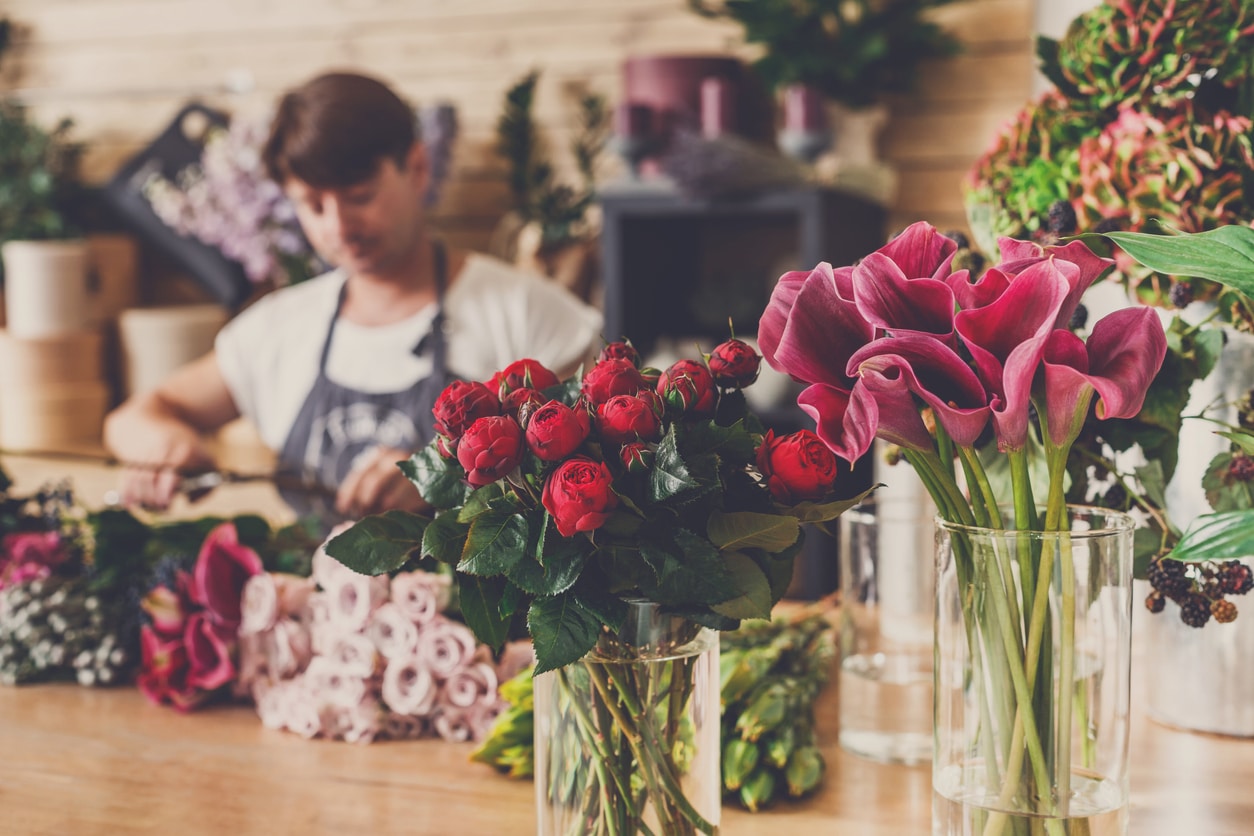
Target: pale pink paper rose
(422,595)
(254,666)
(364,721)
(322,630)
(270,704)
(300,711)
(445,646)
(288,647)
(324,568)
(404,726)
(259,604)
(294,593)
(515,658)
(355,654)
(472,684)
(329,684)
(408,687)
(392,632)
(354,597)
(453,724)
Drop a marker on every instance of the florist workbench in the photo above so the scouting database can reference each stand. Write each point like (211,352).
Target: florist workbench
(77,761)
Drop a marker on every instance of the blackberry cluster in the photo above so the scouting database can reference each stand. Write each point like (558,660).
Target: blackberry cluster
(1242,468)
(1199,588)
(1181,294)
(1061,219)
(59,629)
(1079,318)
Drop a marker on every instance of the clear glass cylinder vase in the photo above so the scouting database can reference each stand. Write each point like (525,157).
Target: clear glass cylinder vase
(1033,656)
(627,739)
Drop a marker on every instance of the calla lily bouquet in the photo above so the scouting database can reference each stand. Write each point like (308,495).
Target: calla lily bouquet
(571,507)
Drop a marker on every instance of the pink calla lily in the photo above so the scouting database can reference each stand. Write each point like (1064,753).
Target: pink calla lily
(1018,256)
(921,251)
(845,423)
(222,568)
(890,299)
(1006,339)
(810,329)
(884,395)
(984,291)
(930,370)
(209,664)
(1123,354)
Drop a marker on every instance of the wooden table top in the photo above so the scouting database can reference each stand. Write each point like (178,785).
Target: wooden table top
(83,761)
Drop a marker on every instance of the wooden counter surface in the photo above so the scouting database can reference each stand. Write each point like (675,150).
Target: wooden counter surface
(81,761)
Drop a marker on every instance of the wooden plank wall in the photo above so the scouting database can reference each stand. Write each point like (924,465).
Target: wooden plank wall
(121,69)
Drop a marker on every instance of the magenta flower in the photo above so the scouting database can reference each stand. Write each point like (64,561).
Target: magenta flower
(222,568)
(847,426)
(1006,339)
(891,300)
(1122,356)
(1079,265)
(209,665)
(811,326)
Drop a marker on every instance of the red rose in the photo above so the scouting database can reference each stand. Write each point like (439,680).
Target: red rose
(491,448)
(622,350)
(637,457)
(625,418)
(687,386)
(520,403)
(461,404)
(611,377)
(555,430)
(522,374)
(797,466)
(579,495)
(734,364)
(222,568)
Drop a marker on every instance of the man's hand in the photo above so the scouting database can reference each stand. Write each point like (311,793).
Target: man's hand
(377,485)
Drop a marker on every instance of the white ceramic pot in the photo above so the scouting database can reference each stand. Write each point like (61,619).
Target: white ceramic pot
(157,341)
(45,287)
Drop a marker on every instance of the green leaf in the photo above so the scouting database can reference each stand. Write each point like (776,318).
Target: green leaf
(811,512)
(563,561)
(438,479)
(1225,536)
(379,544)
(445,538)
(495,544)
(253,530)
(480,601)
(1151,477)
(669,476)
(627,568)
(620,524)
(751,530)
(731,443)
(562,630)
(1146,543)
(693,572)
(1224,255)
(754,600)
(1242,438)
(593,595)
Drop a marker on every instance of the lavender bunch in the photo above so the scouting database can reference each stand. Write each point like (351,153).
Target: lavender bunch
(228,201)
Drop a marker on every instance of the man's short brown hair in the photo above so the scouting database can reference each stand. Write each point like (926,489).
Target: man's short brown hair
(335,130)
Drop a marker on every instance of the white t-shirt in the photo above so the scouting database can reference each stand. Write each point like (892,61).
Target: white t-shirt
(495,314)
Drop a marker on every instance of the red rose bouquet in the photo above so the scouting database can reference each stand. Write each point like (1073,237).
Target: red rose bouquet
(564,504)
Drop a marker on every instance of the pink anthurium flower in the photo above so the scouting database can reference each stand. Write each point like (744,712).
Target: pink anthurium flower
(1018,256)
(1006,339)
(222,568)
(890,299)
(931,371)
(811,326)
(1123,354)
(845,424)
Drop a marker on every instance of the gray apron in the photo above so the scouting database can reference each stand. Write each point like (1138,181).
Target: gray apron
(337,425)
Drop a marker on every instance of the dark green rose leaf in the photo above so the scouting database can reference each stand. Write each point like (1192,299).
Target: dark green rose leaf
(754,600)
(693,572)
(480,600)
(439,480)
(513,600)
(496,543)
(253,530)
(670,476)
(562,630)
(445,538)
(628,567)
(621,524)
(732,442)
(813,512)
(481,500)
(1224,255)
(593,594)
(563,561)
(779,571)
(751,530)
(380,544)
(1224,536)
(732,407)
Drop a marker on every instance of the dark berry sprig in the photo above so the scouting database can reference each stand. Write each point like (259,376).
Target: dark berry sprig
(1199,588)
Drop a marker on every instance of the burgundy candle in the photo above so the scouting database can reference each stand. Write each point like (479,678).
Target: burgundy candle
(633,120)
(718,107)
(803,109)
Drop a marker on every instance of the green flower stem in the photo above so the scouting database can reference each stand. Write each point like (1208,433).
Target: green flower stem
(599,743)
(655,765)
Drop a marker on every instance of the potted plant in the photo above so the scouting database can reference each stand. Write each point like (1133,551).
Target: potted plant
(854,53)
(45,262)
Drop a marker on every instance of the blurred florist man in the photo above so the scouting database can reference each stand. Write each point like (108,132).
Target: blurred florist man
(339,373)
